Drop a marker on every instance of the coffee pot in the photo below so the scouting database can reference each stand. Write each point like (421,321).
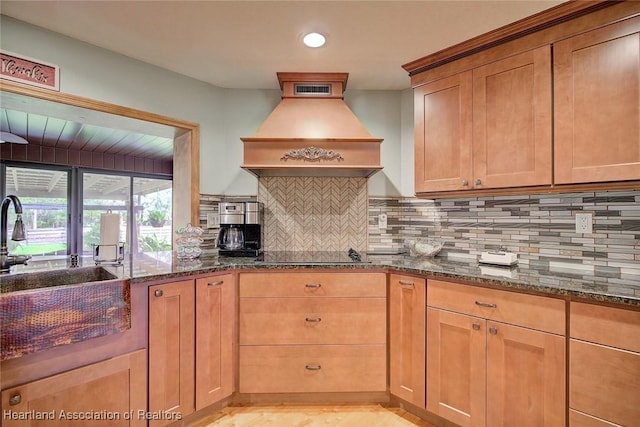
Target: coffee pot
(232,238)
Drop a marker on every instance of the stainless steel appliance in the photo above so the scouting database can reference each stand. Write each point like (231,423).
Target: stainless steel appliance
(240,228)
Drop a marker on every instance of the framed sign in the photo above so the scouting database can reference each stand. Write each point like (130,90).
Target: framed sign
(22,69)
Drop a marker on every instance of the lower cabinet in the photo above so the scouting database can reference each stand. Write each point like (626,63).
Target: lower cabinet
(487,363)
(604,366)
(190,331)
(112,392)
(312,332)
(407,305)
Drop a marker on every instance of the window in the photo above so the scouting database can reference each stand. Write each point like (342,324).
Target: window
(62,209)
(44,194)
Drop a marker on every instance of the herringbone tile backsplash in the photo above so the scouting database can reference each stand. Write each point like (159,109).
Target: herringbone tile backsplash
(314,213)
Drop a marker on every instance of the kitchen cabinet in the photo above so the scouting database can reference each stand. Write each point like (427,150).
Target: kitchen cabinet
(312,332)
(215,321)
(494,357)
(171,349)
(112,392)
(407,311)
(604,340)
(596,102)
(191,330)
(489,127)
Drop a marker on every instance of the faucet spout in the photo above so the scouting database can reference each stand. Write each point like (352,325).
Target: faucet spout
(6,260)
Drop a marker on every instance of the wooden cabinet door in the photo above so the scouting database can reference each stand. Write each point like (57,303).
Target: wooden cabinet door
(171,349)
(525,377)
(443,134)
(596,103)
(115,388)
(215,309)
(456,367)
(512,121)
(407,310)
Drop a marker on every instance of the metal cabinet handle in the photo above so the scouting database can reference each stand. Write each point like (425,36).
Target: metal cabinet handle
(313,319)
(218,283)
(158,293)
(313,285)
(493,331)
(15,399)
(476,326)
(405,283)
(312,367)
(477,181)
(485,304)
(465,183)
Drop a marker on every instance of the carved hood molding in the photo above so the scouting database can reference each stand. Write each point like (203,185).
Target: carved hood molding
(312,132)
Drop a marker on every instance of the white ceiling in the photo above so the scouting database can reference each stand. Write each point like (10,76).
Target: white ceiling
(242,44)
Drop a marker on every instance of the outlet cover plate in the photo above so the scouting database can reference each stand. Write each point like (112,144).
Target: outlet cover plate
(382,222)
(584,223)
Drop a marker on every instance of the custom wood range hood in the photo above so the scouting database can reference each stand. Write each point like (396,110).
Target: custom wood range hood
(312,132)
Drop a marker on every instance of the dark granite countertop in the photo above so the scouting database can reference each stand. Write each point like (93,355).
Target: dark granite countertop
(548,280)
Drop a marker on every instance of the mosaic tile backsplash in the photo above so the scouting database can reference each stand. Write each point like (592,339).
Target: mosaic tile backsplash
(540,228)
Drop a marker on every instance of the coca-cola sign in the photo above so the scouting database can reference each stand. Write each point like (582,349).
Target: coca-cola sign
(22,69)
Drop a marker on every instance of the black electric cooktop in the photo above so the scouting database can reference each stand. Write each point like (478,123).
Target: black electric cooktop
(311,257)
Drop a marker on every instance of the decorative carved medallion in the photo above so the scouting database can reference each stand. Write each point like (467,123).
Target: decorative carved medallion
(312,154)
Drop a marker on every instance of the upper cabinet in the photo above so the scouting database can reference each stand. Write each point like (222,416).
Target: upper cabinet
(542,104)
(486,128)
(597,105)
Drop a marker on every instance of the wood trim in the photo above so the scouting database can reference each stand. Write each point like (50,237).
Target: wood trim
(564,188)
(184,127)
(539,21)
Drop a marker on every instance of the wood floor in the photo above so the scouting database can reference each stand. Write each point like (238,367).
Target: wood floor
(312,416)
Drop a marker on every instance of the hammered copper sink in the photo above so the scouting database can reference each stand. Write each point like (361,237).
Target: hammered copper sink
(45,309)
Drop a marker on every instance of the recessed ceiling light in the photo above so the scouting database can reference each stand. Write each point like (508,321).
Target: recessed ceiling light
(314,40)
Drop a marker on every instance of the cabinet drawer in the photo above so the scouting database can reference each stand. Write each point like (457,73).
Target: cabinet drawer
(313,321)
(615,327)
(313,368)
(313,284)
(578,419)
(542,313)
(604,382)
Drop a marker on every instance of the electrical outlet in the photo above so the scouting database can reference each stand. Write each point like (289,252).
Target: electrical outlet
(212,220)
(584,223)
(382,222)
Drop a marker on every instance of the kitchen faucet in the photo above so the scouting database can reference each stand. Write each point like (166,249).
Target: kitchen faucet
(6,260)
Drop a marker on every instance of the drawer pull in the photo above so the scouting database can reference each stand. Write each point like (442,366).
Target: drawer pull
(493,331)
(312,367)
(476,326)
(405,283)
(313,285)
(485,304)
(218,283)
(15,399)
(158,293)
(313,319)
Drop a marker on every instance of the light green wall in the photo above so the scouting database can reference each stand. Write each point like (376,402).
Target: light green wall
(224,115)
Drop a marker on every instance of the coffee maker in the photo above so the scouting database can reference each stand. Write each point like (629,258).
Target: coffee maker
(240,228)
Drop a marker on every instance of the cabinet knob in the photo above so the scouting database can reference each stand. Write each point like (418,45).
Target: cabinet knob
(312,367)
(313,319)
(476,326)
(218,283)
(313,285)
(465,183)
(405,283)
(15,399)
(477,181)
(493,331)
(158,293)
